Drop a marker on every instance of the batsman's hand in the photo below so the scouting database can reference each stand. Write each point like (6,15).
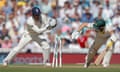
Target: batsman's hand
(75,34)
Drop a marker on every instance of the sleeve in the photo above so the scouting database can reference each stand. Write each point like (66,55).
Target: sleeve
(36,29)
(31,24)
(51,24)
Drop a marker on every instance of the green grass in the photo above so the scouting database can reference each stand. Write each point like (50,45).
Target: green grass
(65,68)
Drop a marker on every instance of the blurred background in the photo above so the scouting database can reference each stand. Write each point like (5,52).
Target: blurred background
(69,14)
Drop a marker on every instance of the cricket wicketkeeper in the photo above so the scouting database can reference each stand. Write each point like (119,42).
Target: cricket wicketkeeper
(37,26)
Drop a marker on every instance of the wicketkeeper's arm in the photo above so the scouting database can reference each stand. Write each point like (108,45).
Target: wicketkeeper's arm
(49,26)
(39,30)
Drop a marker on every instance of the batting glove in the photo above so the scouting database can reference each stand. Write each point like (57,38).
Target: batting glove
(75,34)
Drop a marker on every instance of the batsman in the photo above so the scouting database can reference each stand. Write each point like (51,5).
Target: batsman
(38,25)
(101,37)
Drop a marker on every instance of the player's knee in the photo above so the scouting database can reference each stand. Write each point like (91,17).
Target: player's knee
(45,45)
(92,51)
(16,49)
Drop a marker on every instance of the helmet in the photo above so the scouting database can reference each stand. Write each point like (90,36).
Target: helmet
(100,23)
(36,11)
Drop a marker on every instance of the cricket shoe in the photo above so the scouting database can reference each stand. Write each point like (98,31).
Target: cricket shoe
(47,64)
(5,63)
(105,65)
(85,66)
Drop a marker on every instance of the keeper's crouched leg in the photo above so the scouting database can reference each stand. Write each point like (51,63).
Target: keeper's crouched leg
(46,52)
(24,40)
(11,55)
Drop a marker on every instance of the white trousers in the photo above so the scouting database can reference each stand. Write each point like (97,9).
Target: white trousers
(107,57)
(26,38)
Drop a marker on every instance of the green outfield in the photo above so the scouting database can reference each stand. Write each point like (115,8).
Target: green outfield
(65,68)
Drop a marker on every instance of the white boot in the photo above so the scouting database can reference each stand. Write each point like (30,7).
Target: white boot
(46,54)
(5,63)
(105,65)
(85,65)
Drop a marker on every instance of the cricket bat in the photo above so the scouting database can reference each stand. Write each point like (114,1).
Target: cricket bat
(100,57)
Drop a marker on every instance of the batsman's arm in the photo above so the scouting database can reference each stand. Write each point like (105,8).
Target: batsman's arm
(76,34)
(89,25)
(82,26)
